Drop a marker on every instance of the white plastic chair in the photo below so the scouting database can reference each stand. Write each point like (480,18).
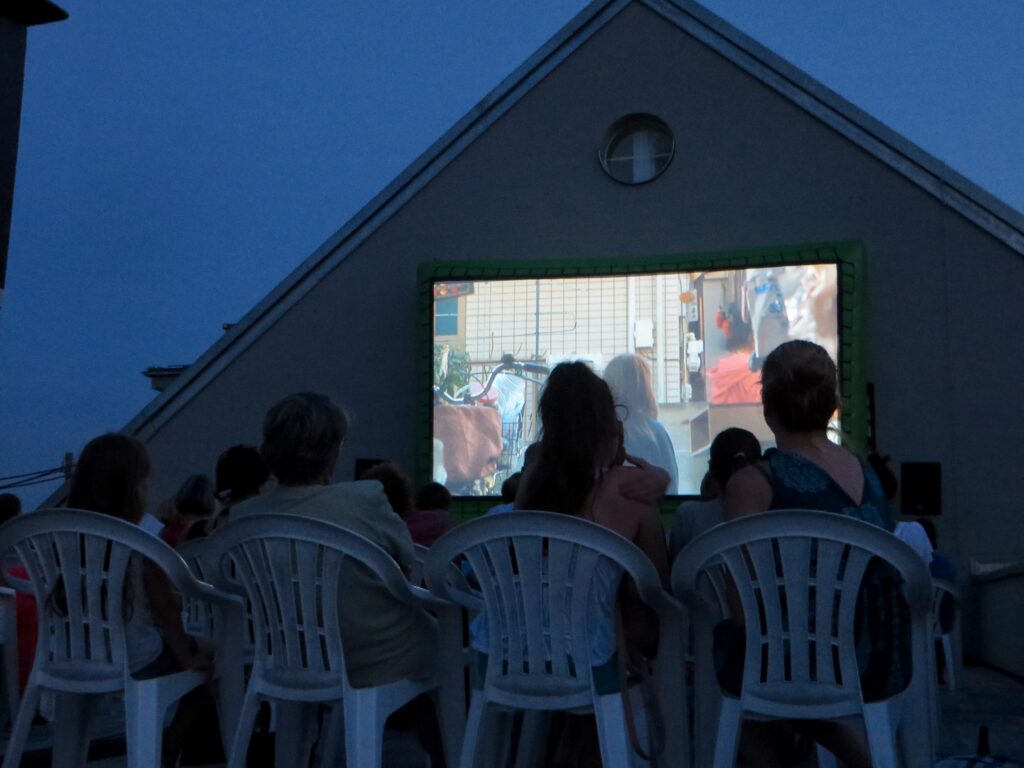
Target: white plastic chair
(952,645)
(797,574)
(535,572)
(291,569)
(81,560)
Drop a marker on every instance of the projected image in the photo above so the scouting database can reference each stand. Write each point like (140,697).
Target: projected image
(681,353)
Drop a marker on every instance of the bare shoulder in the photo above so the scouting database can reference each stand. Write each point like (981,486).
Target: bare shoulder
(614,510)
(747,493)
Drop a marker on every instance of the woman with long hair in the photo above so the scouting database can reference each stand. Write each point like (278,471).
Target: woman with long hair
(629,378)
(579,467)
(112,477)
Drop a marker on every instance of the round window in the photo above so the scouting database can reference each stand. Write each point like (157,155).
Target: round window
(638,149)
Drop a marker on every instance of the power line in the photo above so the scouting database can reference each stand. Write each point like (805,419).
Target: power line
(27,483)
(33,474)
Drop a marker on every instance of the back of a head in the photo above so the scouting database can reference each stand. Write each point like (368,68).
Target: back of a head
(195,497)
(110,477)
(10,507)
(579,437)
(741,334)
(798,387)
(302,437)
(433,496)
(629,378)
(731,450)
(397,486)
(241,473)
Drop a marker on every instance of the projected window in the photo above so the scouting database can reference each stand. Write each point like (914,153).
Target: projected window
(638,149)
(699,338)
(446,317)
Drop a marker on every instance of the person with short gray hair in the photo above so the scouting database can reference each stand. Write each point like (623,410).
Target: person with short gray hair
(302,435)
(384,640)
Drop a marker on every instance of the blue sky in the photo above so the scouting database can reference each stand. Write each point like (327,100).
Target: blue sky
(178,160)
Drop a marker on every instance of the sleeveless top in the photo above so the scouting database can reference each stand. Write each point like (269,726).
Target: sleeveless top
(882,619)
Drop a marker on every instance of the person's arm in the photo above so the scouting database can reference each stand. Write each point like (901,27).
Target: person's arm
(165,609)
(747,493)
(635,520)
(646,486)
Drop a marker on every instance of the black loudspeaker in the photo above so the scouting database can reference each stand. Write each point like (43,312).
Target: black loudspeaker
(920,488)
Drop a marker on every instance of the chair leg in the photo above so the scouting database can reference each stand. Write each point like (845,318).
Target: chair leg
(238,753)
(71,734)
(825,758)
(144,724)
(473,739)
(533,739)
(727,739)
(949,661)
(611,730)
(294,737)
(332,738)
(449,702)
(364,729)
(878,723)
(22,724)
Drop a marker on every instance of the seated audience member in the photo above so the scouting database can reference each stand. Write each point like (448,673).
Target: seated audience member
(10,507)
(385,640)
(194,505)
(941,567)
(914,536)
(629,378)
(910,533)
(731,450)
(809,471)
(241,474)
(111,477)
(24,603)
(579,471)
(508,495)
(430,520)
(397,487)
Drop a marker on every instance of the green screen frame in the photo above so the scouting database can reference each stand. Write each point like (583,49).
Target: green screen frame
(848,257)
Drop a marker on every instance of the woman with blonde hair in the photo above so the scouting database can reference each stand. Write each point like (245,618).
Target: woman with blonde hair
(629,378)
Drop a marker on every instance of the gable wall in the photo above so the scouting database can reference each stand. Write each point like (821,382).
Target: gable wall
(751,170)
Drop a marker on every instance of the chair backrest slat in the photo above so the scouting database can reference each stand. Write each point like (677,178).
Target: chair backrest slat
(794,554)
(825,628)
(532,577)
(560,591)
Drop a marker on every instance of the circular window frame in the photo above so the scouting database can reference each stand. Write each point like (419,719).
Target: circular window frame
(627,125)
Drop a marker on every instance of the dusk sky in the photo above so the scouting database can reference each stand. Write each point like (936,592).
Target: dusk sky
(177,160)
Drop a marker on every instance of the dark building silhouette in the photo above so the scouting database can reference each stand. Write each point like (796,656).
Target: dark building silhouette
(15,19)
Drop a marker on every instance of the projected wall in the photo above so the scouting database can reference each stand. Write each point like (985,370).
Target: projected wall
(681,351)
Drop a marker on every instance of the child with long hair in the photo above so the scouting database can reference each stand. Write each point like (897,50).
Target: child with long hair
(112,477)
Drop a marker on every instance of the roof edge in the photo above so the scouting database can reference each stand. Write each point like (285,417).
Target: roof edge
(368,218)
(952,188)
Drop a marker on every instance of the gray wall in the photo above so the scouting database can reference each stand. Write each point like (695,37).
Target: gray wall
(751,170)
(12,71)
